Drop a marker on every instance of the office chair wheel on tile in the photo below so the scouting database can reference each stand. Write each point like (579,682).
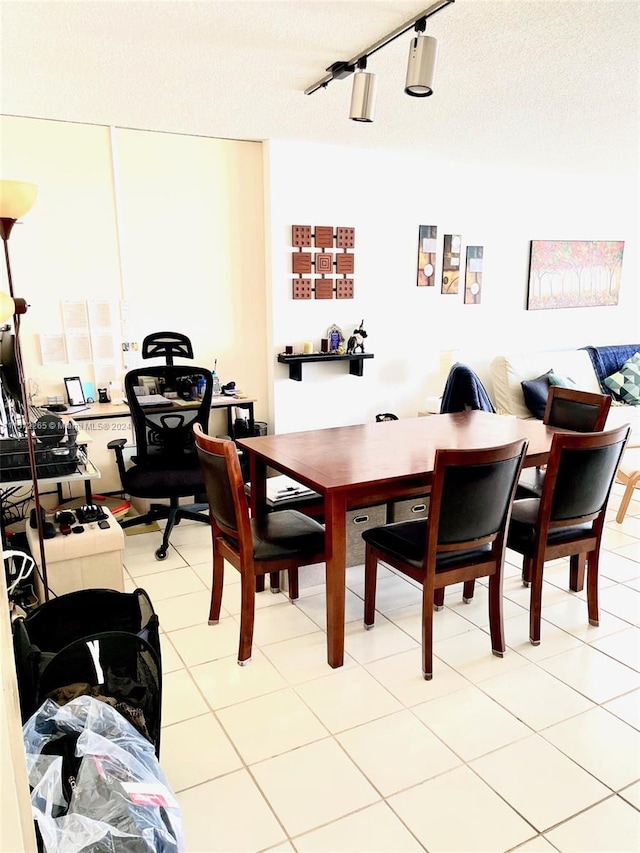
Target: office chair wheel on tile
(161,554)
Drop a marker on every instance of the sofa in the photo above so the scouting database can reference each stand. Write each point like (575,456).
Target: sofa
(586,368)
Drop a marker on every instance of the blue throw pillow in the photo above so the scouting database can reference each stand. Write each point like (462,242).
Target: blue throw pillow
(562,381)
(535,393)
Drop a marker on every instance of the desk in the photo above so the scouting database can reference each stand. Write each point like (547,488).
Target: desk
(86,471)
(101,411)
(374,463)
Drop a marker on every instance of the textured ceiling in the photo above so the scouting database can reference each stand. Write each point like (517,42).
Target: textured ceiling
(523,82)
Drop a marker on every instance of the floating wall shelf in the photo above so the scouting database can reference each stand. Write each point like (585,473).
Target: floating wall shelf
(295,362)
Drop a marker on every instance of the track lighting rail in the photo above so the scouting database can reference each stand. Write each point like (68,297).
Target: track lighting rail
(340,70)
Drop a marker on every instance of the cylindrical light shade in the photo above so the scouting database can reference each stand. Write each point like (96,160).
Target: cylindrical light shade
(363,96)
(421,68)
(16,198)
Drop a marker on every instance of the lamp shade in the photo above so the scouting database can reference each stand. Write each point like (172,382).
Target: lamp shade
(363,96)
(421,67)
(10,306)
(16,198)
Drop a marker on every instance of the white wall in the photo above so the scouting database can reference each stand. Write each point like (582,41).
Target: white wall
(412,330)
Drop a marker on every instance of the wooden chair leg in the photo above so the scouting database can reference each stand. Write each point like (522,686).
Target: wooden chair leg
(527,564)
(370,581)
(632,482)
(577,563)
(260,583)
(592,587)
(496,618)
(535,607)
(467,591)
(274,581)
(294,591)
(216,587)
(438,598)
(247,614)
(428,606)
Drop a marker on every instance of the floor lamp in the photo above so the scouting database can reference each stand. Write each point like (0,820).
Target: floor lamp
(16,199)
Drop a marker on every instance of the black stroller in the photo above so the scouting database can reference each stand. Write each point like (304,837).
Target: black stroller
(98,642)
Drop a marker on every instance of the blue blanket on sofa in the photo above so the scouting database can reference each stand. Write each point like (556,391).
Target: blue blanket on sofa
(463,391)
(606,360)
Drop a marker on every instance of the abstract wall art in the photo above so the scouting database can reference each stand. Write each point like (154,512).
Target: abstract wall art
(427,248)
(315,270)
(451,263)
(574,273)
(473,275)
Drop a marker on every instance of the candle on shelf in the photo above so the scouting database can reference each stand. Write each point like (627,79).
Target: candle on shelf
(307,348)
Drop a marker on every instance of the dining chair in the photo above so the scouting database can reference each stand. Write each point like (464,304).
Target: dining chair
(567,520)
(566,408)
(274,542)
(463,537)
(629,476)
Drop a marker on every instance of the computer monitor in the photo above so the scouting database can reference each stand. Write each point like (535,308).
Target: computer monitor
(9,378)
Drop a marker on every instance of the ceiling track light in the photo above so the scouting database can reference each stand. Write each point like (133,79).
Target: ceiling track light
(363,93)
(421,66)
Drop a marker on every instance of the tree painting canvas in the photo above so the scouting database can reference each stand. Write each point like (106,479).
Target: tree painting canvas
(574,273)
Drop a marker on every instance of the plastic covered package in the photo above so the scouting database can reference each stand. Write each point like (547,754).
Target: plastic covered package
(96,783)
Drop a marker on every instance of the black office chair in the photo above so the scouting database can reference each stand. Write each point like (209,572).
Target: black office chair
(167,344)
(165,464)
(568,518)
(566,408)
(462,539)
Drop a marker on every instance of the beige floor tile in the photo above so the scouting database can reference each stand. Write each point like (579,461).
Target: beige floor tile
(539,844)
(195,751)
(313,785)
(626,708)
(392,592)
(347,698)
(402,676)
(216,816)
(184,610)
(314,606)
(477,611)
(169,584)
(479,821)
(535,697)
(592,673)
(610,827)
(304,658)
(397,751)
(470,654)
(383,640)
(622,602)
(516,631)
(270,725)
(181,699)
(143,563)
(194,553)
(601,743)
(375,829)
(171,660)
(225,683)
(542,784)
(446,623)
(191,533)
(471,723)
(618,567)
(632,794)
(200,643)
(623,646)
(572,616)
(632,551)
(283,621)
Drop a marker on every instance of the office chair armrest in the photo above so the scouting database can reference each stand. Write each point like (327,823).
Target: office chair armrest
(117,446)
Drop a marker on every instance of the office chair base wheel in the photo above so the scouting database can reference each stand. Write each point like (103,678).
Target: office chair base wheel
(161,554)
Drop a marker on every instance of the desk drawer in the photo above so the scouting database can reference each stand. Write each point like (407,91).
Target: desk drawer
(358,520)
(408,510)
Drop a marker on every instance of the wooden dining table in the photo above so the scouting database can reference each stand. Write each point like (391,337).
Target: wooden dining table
(368,464)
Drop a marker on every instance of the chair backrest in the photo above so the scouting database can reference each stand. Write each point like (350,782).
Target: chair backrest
(580,473)
(167,344)
(224,485)
(471,497)
(164,433)
(582,411)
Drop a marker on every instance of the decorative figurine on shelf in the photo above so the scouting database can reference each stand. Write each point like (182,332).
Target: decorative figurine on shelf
(356,341)
(336,340)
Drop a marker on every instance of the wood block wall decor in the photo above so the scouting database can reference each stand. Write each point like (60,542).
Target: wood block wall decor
(344,288)
(451,263)
(427,249)
(473,275)
(302,288)
(324,288)
(322,263)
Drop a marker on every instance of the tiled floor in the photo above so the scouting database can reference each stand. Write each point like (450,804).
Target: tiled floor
(537,751)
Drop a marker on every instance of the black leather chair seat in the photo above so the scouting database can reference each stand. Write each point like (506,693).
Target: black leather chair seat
(285,534)
(523,532)
(147,482)
(406,540)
